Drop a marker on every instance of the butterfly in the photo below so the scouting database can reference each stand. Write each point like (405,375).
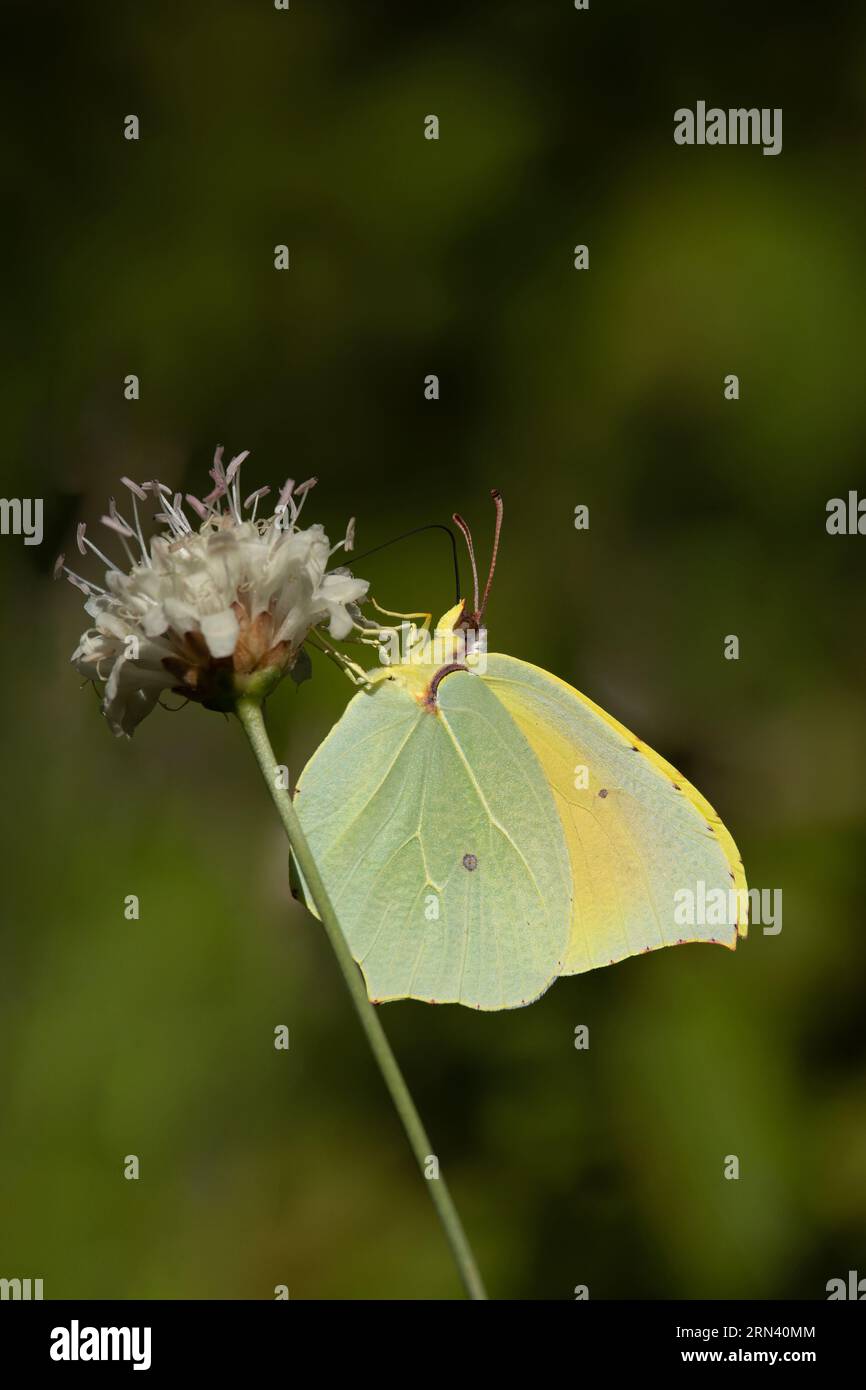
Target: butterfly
(482,828)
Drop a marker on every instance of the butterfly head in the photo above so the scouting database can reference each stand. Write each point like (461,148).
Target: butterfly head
(459,640)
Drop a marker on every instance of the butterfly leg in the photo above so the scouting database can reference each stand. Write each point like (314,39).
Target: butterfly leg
(357,675)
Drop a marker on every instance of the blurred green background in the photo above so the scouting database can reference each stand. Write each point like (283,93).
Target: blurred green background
(602,387)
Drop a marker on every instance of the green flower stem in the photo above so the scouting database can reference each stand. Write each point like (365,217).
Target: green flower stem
(249,711)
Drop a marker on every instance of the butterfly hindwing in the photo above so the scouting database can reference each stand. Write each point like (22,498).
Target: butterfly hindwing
(440,844)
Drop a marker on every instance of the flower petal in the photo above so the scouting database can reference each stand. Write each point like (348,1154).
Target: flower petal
(220,631)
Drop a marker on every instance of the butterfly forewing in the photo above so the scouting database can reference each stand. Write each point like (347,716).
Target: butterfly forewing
(641,839)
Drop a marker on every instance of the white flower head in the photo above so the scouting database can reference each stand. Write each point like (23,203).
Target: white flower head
(209,610)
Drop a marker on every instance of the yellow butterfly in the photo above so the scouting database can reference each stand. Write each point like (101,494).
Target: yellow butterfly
(483,828)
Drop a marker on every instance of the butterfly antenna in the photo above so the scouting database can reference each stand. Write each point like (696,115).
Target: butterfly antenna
(467,536)
(497,502)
